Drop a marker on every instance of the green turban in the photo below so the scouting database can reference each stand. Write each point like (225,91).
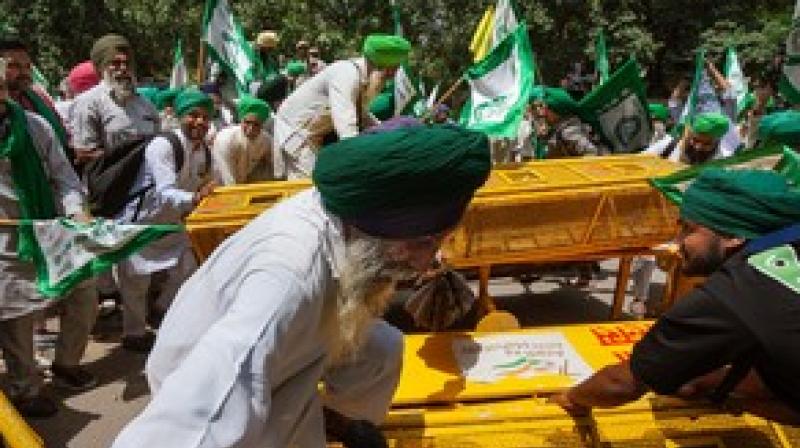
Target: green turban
(105,48)
(741,203)
(166,97)
(385,51)
(191,98)
(149,93)
(658,111)
(295,68)
(537,94)
(713,124)
(403,183)
(782,128)
(249,105)
(560,101)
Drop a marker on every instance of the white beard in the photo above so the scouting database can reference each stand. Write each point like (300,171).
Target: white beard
(366,285)
(121,89)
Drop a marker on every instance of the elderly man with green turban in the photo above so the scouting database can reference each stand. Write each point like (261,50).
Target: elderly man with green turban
(566,135)
(175,174)
(701,142)
(243,152)
(295,299)
(734,340)
(336,100)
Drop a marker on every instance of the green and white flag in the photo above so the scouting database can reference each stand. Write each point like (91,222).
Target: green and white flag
(618,110)
(227,44)
(404,89)
(782,160)
(789,85)
(735,76)
(180,76)
(505,21)
(68,253)
(432,97)
(398,25)
(39,79)
(702,95)
(500,86)
(601,56)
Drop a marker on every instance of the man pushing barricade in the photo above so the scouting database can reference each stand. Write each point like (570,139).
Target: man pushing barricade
(734,340)
(296,298)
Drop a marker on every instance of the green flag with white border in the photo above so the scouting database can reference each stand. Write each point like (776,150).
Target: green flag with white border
(227,44)
(500,86)
(180,76)
(735,77)
(618,110)
(601,56)
(68,252)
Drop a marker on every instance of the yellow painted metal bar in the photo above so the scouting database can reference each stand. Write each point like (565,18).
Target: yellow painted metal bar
(15,431)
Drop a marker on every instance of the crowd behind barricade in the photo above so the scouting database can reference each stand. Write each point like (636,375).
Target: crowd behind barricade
(109,147)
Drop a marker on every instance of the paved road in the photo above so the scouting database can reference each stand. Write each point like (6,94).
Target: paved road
(92,419)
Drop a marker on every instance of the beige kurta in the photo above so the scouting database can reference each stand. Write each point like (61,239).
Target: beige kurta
(238,160)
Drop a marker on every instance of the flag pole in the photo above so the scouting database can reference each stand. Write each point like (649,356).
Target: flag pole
(201,60)
(443,98)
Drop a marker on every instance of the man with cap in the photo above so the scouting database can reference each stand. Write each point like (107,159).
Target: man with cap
(175,176)
(111,114)
(296,298)
(567,136)
(81,78)
(315,61)
(37,182)
(337,99)
(243,152)
(165,103)
(733,340)
(780,128)
(267,47)
(659,117)
(701,141)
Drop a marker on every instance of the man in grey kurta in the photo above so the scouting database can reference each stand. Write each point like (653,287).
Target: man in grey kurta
(296,297)
(19,297)
(111,114)
(337,99)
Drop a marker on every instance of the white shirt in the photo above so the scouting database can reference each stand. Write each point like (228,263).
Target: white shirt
(268,293)
(168,200)
(17,279)
(238,160)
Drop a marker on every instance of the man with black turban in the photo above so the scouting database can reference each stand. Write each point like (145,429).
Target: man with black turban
(296,298)
(733,340)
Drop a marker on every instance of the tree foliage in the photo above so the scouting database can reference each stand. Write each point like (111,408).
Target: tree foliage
(662,34)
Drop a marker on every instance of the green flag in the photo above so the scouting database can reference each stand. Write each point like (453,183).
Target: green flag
(67,253)
(398,26)
(735,76)
(789,85)
(617,110)
(601,56)
(782,160)
(180,76)
(702,95)
(500,86)
(227,44)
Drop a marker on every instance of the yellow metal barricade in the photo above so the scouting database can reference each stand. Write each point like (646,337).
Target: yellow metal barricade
(14,430)
(437,405)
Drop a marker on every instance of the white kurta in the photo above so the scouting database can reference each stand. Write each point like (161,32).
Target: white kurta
(240,353)
(327,102)
(169,200)
(17,279)
(238,160)
(98,121)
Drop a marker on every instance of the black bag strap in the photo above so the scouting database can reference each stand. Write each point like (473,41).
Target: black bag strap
(667,151)
(177,149)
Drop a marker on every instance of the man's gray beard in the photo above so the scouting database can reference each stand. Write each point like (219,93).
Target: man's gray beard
(366,285)
(122,89)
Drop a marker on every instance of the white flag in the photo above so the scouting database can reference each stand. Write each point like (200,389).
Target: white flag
(179,77)
(735,76)
(404,90)
(228,45)
(69,252)
(505,21)
(500,86)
